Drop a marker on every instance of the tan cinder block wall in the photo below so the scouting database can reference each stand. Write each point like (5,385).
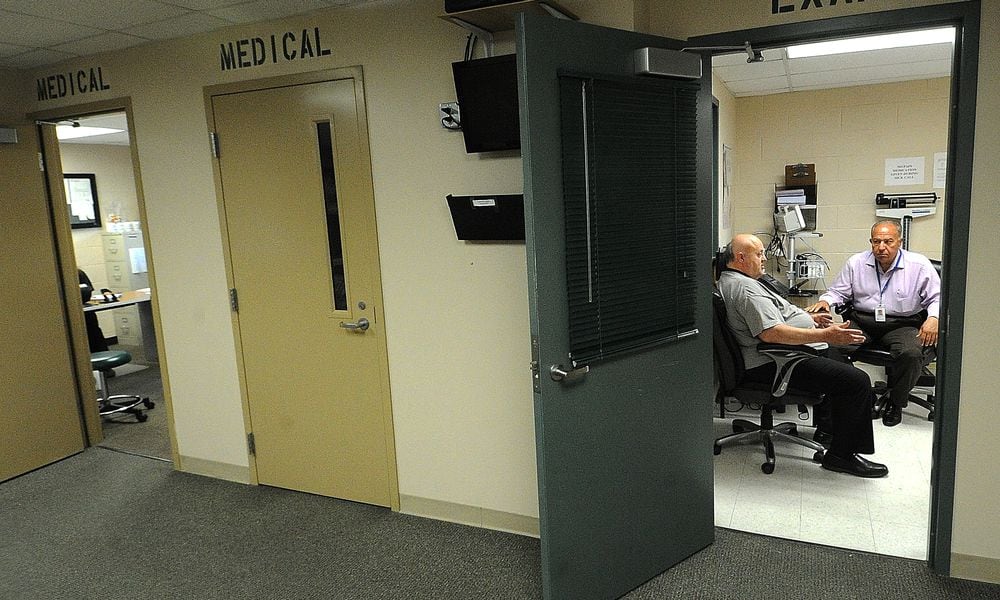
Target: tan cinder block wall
(848,133)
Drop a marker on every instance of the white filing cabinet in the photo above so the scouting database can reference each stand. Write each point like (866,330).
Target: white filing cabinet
(125,264)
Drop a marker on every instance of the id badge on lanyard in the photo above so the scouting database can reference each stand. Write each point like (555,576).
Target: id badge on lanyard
(880,309)
(880,314)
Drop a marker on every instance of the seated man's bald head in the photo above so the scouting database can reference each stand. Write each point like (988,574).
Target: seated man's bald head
(746,255)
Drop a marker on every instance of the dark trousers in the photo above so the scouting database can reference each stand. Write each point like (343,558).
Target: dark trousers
(95,336)
(898,335)
(848,401)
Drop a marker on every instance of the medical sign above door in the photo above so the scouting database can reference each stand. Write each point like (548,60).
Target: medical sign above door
(277,47)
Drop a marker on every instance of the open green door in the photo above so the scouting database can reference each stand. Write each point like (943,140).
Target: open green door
(618,243)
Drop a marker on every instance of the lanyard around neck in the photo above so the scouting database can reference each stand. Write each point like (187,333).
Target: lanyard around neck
(878,274)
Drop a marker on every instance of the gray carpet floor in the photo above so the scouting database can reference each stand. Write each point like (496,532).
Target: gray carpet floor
(108,525)
(150,438)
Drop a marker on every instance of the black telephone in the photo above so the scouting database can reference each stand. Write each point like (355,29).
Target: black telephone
(109,296)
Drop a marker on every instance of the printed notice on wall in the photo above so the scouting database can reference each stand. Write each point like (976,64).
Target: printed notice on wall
(940,169)
(904,171)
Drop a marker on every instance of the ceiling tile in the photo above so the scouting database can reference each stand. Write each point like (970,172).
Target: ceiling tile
(752,87)
(751,71)
(857,60)
(188,24)
(12,49)
(265,10)
(103,14)
(205,4)
(874,74)
(100,43)
(26,30)
(35,58)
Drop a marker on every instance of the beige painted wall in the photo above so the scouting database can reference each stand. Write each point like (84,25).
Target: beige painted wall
(848,133)
(727,137)
(456,313)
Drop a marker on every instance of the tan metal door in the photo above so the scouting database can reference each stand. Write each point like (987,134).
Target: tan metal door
(299,207)
(39,412)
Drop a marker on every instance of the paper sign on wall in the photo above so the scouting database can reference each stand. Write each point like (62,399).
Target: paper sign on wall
(940,169)
(904,171)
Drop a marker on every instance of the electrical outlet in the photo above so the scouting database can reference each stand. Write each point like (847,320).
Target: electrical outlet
(449,115)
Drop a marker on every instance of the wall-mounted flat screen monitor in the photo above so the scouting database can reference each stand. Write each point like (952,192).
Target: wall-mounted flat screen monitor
(487,101)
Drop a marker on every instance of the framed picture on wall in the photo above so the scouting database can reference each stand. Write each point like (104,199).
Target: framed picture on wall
(81,198)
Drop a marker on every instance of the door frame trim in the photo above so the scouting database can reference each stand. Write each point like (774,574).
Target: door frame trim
(356,73)
(67,257)
(965,16)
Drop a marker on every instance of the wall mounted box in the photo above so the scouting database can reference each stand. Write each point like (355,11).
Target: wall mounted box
(488,218)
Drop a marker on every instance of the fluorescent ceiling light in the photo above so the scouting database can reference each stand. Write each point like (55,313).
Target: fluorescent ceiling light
(874,42)
(68,132)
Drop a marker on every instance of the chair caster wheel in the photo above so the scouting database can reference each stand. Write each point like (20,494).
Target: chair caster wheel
(716,449)
(930,416)
(767,468)
(818,456)
(140,417)
(148,403)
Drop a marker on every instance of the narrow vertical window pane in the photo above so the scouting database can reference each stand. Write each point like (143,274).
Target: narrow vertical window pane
(325,138)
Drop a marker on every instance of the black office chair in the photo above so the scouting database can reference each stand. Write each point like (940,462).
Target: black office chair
(729,370)
(921,395)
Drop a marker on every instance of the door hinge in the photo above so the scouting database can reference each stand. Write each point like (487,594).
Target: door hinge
(41,162)
(251,444)
(234,300)
(213,139)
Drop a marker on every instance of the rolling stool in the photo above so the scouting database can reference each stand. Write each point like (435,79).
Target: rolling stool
(119,403)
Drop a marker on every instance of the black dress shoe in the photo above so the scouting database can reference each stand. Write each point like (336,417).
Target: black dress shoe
(823,438)
(854,465)
(893,415)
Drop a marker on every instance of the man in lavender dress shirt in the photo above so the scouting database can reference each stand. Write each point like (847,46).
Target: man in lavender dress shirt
(896,296)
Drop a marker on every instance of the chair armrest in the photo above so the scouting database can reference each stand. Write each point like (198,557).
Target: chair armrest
(785,357)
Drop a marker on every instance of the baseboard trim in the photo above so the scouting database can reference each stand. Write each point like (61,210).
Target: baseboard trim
(976,568)
(211,468)
(464,514)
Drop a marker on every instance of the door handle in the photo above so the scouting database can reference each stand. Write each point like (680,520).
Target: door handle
(360,326)
(558,373)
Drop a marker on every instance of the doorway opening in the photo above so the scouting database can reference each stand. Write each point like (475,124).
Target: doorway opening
(111,252)
(887,516)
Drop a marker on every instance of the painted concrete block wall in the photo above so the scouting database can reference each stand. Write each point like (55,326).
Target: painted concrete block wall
(848,133)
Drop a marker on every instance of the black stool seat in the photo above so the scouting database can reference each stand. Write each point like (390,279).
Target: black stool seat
(109,359)
(108,404)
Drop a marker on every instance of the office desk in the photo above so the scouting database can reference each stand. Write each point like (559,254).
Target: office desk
(141,300)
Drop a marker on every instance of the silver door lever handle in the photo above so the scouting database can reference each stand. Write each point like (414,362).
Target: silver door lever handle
(558,373)
(361,325)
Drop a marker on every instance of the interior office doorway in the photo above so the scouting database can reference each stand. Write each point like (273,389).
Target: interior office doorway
(955,239)
(297,201)
(110,248)
(92,148)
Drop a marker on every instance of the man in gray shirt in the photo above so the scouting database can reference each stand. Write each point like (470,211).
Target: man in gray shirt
(757,314)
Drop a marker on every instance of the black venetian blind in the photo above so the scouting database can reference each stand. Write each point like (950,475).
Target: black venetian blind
(629,158)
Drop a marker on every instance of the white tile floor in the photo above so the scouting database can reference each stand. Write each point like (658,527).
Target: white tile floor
(802,501)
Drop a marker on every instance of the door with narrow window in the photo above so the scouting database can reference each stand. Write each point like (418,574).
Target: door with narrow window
(299,211)
(617,172)
(40,420)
